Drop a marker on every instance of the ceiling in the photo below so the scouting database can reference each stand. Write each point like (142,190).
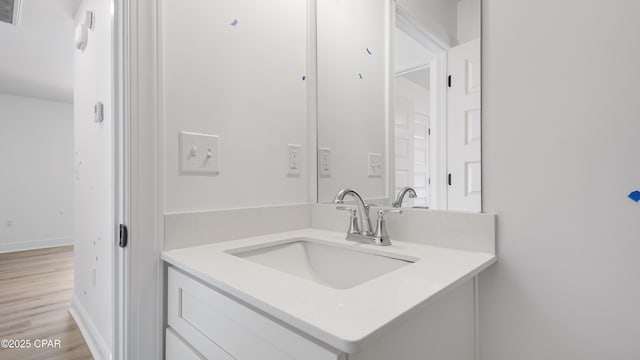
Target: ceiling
(37,54)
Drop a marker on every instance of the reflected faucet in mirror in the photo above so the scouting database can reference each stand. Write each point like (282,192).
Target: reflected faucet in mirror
(401,194)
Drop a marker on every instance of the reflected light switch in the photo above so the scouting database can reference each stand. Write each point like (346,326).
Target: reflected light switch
(324,162)
(375,165)
(295,159)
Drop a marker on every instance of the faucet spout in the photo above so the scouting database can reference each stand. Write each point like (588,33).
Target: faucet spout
(400,198)
(363,209)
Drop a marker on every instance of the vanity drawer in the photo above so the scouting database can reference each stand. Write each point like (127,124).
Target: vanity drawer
(210,321)
(176,349)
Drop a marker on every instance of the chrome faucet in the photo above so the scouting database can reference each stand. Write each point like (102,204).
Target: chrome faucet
(404,191)
(363,209)
(380,236)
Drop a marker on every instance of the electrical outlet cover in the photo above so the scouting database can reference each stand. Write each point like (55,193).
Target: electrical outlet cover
(199,154)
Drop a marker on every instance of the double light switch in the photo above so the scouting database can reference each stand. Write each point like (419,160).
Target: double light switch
(199,154)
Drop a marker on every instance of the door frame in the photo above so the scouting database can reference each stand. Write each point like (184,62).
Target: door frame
(139,305)
(121,184)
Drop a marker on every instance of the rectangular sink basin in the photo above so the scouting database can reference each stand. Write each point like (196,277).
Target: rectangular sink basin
(325,264)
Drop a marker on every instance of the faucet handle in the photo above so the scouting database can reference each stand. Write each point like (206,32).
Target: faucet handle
(381,237)
(382,212)
(346,208)
(354,225)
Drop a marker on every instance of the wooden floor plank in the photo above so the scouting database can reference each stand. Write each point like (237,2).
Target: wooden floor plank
(36,287)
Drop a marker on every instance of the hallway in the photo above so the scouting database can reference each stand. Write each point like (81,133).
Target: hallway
(36,287)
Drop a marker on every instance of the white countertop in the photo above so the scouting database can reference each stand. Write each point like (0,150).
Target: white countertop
(342,318)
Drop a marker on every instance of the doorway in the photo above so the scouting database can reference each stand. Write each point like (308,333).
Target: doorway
(437,122)
(419,96)
(412,117)
(59,201)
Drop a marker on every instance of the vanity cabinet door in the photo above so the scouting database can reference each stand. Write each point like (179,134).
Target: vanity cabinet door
(212,322)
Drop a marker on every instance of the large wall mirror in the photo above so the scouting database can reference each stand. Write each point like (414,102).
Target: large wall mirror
(399,101)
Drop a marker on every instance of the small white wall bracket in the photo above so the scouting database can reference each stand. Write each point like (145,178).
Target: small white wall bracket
(98,112)
(81,35)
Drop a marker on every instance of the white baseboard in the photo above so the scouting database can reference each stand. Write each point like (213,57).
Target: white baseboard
(34,244)
(95,342)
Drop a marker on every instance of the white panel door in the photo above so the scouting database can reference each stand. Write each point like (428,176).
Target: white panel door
(463,128)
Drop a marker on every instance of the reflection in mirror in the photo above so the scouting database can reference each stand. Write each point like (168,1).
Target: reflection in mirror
(352,61)
(399,101)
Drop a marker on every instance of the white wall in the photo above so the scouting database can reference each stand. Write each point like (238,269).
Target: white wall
(560,141)
(438,16)
(94,234)
(468,23)
(37,55)
(408,53)
(243,83)
(36,181)
(352,110)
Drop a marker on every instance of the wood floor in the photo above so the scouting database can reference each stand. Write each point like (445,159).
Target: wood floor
(36,287)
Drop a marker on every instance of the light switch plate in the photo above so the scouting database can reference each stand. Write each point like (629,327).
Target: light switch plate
(295,159)
(199,154)
(375,166)
(324,162)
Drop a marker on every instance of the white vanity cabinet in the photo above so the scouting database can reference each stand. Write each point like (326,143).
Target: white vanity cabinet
(206,324)
(176,348)
(282,297)
(210,325)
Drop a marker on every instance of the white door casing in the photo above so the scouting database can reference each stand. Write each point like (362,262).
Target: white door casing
(463,127)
